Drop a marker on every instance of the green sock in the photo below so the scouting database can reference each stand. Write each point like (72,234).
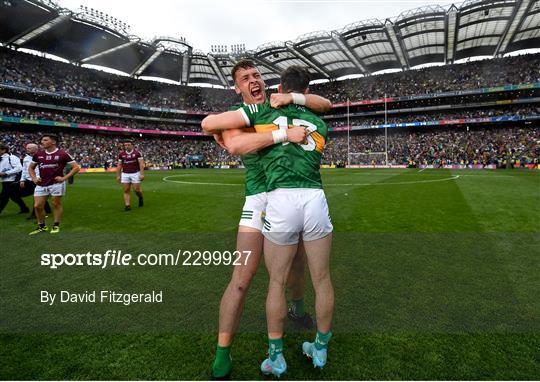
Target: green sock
(321,340)
(275,347)
(298,306)
(223,362)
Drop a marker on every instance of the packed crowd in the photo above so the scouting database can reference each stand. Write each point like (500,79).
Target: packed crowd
(472,75)
(97,121)
(517,110)
(451,146)
(37,72)
(97,150)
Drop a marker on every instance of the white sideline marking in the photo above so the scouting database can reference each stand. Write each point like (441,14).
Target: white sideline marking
(453,177)
(425,168)
(166,179)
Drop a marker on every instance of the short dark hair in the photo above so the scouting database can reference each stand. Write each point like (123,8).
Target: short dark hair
(3,146)
(242,64)
(54,137)
(295,79)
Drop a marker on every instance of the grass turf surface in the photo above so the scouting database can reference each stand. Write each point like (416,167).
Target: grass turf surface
(436,276)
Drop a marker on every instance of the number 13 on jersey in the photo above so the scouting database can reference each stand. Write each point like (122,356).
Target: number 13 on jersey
(282,123)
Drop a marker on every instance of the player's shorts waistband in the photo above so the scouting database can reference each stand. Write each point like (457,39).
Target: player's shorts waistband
(295,190)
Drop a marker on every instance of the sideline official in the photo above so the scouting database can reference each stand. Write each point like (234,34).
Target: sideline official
(26,185)
(10,170)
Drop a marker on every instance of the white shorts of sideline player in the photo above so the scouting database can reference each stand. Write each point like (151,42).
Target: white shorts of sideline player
(253,211)
(57,189)
(295,212)
(134,177)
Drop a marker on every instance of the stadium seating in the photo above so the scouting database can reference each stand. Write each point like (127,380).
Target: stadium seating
(40,91)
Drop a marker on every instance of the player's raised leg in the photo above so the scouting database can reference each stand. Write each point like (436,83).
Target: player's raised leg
(278,260)
(296,285)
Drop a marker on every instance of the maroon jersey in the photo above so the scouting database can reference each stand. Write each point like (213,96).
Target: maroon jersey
(51,165)
(130,161)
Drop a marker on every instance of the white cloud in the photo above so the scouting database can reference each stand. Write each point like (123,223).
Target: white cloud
(253,23)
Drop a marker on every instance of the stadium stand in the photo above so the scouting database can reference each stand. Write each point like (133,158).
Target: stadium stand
(473,112)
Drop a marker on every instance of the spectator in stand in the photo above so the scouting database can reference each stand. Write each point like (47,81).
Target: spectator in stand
(40,73)
(451,145)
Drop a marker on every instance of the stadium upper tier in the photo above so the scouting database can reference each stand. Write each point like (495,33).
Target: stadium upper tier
(432,34)
(23,72)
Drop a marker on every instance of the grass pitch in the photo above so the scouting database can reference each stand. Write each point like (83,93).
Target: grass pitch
(436,272)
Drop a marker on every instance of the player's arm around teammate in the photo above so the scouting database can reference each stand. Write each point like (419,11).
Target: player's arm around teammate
(240,143)
(230,135)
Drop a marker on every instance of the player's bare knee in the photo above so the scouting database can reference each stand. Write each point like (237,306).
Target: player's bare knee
(278,281)
(242,282)
(321,278)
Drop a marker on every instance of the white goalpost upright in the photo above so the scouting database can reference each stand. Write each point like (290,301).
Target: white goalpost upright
(377,158)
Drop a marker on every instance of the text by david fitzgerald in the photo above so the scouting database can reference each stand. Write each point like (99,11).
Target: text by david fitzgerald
(103,296)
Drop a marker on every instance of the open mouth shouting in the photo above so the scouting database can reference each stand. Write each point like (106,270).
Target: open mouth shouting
(257,93)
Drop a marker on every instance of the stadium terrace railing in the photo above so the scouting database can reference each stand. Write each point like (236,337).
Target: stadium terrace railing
(99,101)
(187,121)
(438,108)
(504,118)
(495,89)
(459,121)
(84,126)
(95,112)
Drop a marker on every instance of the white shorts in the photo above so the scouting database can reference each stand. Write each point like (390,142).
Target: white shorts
(253,211)
(292,213)
(57,189)
(134,177)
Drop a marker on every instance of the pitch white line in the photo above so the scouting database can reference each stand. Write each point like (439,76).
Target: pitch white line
(422,170)
(166,179)
(453,177)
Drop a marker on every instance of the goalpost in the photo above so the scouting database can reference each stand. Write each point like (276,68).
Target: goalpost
(369,158)
(379,158)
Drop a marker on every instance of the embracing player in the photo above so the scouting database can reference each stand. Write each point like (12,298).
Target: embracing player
(296,209)
(51,180)
(130,171)
(251,87)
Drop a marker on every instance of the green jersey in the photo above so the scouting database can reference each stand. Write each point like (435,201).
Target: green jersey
(255,179)
(289,165)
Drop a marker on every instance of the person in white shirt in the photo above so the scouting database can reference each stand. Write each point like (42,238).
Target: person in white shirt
(10,169)
(26,186)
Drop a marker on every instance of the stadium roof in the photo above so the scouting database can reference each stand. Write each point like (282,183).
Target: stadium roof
(432,34)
